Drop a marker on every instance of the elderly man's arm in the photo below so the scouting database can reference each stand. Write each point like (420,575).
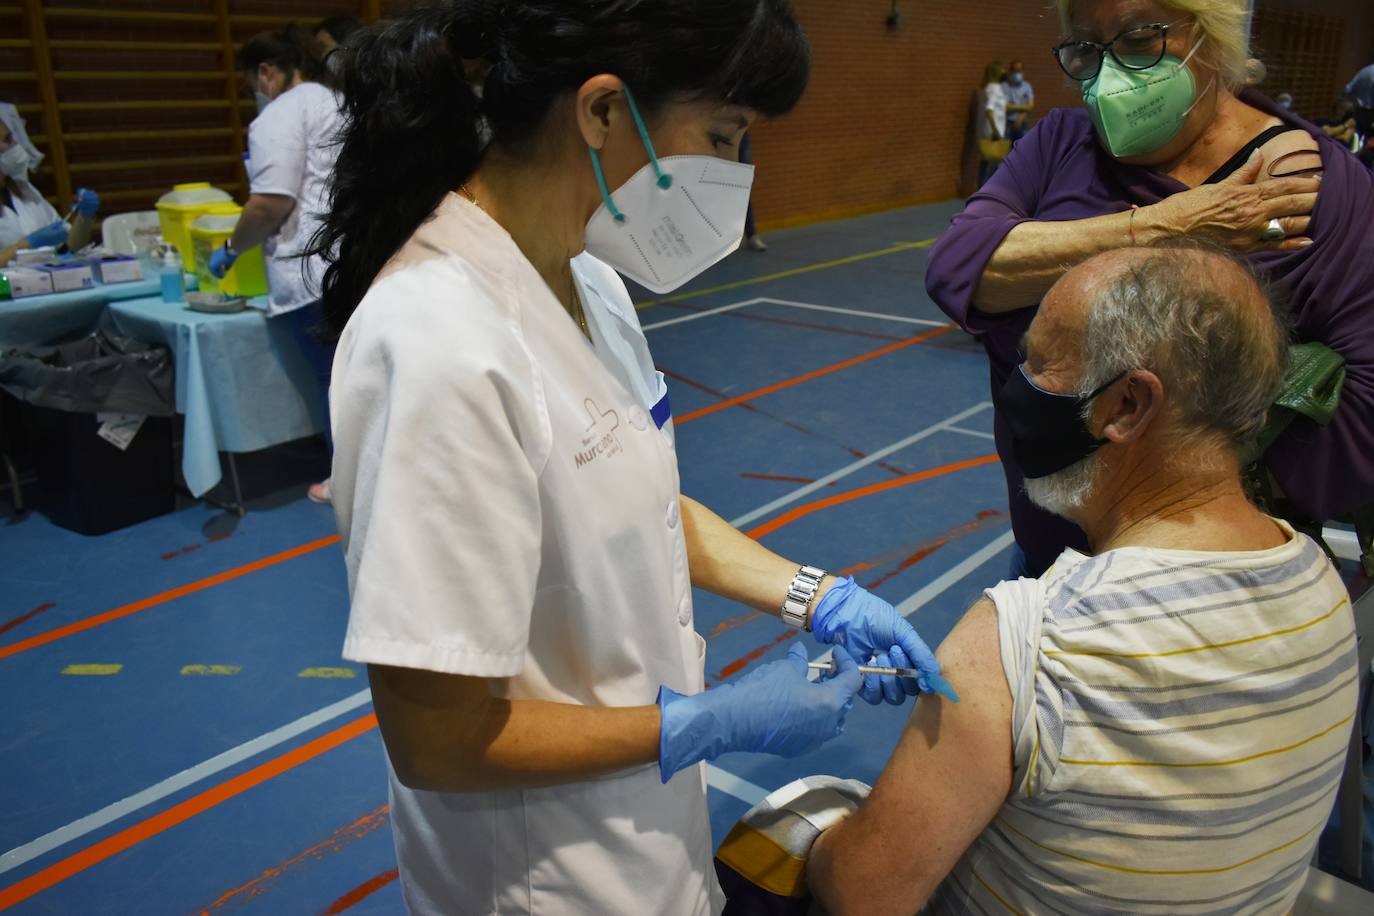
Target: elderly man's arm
(945,783)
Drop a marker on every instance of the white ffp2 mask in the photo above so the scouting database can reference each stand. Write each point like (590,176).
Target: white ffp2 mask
(673,218)
(15,162)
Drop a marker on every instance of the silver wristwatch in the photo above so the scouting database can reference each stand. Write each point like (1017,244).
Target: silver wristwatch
(800,594)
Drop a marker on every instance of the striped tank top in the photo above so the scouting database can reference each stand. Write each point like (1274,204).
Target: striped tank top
(1180,721)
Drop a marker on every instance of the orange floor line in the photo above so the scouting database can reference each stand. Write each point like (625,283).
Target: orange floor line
(848,496)
(809,376)
(180,591)
(165,820)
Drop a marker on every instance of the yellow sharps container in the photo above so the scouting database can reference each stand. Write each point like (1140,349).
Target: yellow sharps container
(182,206)
(248,276)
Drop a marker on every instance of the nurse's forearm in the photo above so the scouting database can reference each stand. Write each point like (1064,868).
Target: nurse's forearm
(727,562)
(262,216)
(1035,254)
(447,733)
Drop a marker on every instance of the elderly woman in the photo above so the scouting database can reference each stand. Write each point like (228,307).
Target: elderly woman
(1167,144)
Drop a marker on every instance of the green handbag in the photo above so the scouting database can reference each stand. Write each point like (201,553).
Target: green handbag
(1312,389)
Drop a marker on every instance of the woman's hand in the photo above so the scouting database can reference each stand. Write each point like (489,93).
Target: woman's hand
(870,628)
(1236,212)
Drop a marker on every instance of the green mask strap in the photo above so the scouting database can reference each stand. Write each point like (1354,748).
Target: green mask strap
(665,180)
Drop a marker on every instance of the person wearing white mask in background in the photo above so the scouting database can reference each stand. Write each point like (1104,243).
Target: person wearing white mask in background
(291,153)
(520,558)
(1020,101)
(27,220)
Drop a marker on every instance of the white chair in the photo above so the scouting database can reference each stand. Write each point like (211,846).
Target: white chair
(1327,895)
(131,233)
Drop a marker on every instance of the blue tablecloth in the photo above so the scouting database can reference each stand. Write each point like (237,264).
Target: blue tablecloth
(242,382)
(40,320)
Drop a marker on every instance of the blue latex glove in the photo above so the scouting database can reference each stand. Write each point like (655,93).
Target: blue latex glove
(773,709)
(221,261)
(870,628)
(87,202)
(54,234)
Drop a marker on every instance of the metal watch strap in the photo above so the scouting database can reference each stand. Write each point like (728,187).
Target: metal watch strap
(800,594)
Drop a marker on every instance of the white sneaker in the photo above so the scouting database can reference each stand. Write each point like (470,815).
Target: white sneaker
(755,243)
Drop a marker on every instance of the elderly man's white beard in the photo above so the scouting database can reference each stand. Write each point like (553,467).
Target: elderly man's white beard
(1065,492)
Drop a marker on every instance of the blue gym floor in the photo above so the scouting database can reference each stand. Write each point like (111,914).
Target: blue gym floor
(181,735)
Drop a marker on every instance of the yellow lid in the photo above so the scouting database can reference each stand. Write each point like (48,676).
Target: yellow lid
(196,194)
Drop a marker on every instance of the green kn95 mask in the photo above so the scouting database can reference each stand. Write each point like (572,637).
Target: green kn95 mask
(1139,111)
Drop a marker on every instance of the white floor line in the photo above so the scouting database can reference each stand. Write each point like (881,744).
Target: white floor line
(800,492)
(970,432)
(155,793)
(882,316)
(955,573)
(731,784)
(696,316)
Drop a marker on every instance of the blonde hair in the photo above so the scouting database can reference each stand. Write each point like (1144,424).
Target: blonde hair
(1224,27)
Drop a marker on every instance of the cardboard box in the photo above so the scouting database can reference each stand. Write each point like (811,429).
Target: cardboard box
(117,268)
(70,275)
(26,281)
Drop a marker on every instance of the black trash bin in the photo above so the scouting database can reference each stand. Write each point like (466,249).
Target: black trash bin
(68,392)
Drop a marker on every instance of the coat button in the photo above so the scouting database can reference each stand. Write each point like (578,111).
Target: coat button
(684,611)
(673,513)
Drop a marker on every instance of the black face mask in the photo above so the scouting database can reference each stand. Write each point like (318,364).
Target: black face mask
(1048,432)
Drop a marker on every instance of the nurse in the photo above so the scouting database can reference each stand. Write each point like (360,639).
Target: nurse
(520,558)
(290,158)
(27,220)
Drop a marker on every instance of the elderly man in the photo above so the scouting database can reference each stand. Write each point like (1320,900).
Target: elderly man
(1159,726)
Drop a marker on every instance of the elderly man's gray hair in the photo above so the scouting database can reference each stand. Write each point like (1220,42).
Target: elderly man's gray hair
(1202,322)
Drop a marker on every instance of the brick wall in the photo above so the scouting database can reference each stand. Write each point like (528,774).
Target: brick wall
(887,119)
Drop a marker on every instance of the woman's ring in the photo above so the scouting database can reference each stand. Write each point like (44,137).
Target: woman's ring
(1274,231)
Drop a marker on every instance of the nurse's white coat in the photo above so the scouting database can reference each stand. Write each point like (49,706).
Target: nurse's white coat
(509,510)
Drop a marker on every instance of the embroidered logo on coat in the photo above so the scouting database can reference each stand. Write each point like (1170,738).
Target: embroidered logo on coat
(600,439)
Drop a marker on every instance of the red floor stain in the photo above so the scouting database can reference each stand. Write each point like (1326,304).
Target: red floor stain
(731,623)
(45,606)
(362,892)
(333,844)
(740,663)
(212,539)
(910,556)
(782,477)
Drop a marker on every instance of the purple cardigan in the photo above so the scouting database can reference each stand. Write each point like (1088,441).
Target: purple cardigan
(1059,172)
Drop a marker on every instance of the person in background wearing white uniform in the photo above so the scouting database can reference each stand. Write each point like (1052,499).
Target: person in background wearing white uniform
(1020,101)
(520,558)
(291,149)
(992,114)
(27,220)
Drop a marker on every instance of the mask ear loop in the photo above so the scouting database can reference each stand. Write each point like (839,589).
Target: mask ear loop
(665,180)
(601,184)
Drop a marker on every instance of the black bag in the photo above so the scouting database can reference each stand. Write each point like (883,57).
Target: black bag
(99,373)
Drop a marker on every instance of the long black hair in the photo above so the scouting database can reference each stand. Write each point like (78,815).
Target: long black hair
(291,49)
(413,118)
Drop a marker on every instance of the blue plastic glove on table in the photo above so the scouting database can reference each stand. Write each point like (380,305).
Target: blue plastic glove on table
(52,234)
(221,261)
(87,202)
(870,628)
(773,709)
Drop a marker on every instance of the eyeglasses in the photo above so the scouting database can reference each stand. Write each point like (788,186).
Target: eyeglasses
(1137,48)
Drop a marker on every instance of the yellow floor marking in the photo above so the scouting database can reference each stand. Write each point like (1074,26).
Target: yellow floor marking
(92,669)
(328,672)
(196,670)
(822,265)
